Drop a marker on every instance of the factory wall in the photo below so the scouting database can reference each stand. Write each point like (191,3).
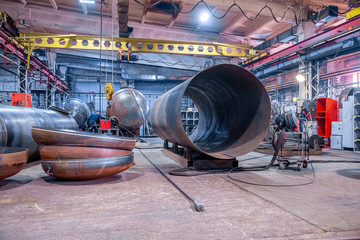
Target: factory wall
(8,84)
(150,90)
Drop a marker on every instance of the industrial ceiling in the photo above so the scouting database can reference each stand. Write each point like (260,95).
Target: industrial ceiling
(153,19)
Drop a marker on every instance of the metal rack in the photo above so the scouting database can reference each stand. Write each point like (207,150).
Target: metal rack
(190,119)
(357,120)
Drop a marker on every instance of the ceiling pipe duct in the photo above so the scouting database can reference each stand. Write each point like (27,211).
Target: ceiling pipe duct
(337,48)
(234,112)
(16,123)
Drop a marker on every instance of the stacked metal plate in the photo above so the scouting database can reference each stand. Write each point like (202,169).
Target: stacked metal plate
(78,155)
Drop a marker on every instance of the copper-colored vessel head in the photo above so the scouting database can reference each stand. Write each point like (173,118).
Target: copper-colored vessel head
(84,163)
(12,161)
(62,137)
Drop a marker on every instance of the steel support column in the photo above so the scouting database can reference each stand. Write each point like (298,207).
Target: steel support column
(22,72)
(314,79)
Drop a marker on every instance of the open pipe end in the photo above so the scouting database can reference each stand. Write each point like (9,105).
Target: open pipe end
(234,112)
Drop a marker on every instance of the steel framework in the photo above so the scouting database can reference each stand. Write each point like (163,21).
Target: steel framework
(37,40)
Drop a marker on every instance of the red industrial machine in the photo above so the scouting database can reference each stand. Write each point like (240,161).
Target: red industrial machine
(105,124)
(326,112)
(21,99)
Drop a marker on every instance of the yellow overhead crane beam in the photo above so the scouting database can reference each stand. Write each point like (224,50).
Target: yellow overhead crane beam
(130,45)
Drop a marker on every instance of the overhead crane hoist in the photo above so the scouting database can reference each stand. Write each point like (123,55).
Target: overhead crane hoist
(127,46)
(109,91)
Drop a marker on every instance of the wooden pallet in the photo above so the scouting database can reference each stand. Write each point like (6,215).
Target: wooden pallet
(286,151)
(199,161)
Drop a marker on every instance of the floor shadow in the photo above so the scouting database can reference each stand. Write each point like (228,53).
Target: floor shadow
(350,173)
(8,184)
(121,177)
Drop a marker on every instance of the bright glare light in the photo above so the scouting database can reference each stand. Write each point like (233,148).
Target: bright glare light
(204,17)
(87,1)
(300,78)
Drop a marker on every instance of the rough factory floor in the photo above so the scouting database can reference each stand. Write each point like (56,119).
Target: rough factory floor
(141,204)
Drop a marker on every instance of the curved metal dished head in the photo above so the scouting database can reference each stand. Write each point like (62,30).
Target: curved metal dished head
(53,152)
(64,137)
(78,109)
(130,107)
(12,161)
(87,168)
(234,112)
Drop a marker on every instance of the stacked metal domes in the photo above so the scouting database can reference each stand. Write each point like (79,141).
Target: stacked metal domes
(78,155)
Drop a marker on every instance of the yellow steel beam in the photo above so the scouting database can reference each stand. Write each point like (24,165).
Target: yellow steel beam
(136,45)
(353,13)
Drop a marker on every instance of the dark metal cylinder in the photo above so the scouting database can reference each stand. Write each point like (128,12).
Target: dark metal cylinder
(234,112)
(16,123)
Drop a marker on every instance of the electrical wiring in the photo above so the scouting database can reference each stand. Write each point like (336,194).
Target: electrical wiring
(317,15)
(169,64)
(334,161)
(289,8)
(140,148)
(350,7)
(311,180)
(178,62)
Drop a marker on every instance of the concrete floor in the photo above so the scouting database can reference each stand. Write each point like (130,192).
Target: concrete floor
(141,204)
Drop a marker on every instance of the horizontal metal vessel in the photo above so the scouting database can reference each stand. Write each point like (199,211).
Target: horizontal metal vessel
(16,123)
(234,112)
(79,138)
(57,161)
(12,161)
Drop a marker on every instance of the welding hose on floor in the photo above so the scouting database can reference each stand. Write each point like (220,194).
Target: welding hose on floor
(265,167)
(197,204)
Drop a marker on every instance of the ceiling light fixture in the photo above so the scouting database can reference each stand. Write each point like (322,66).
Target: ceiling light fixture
(204,17)
(300,78)
(87,1)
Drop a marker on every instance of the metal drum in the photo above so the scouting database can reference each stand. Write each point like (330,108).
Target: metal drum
(234,112)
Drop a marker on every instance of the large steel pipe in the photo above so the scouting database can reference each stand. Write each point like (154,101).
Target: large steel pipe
(16,123)
(234,112)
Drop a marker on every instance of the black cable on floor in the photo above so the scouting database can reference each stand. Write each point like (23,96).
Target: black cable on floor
(148,147)
(334,161)
(197,204)
(276,185)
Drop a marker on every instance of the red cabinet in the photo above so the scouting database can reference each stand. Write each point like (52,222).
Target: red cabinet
(21,99)
(326,112)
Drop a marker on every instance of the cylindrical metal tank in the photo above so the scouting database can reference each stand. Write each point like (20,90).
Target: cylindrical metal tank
(16,123)
(130,107)
(234,112)
(78,109)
